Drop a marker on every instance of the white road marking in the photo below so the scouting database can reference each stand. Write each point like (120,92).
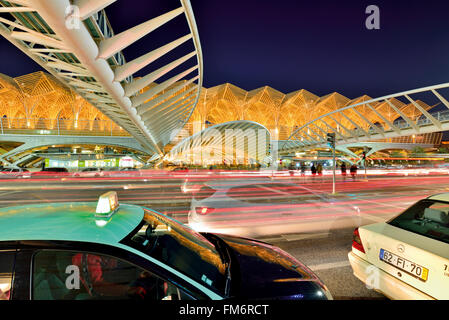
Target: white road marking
(5,193)
(383,204)
(274,239)
(296,237)
(327,266)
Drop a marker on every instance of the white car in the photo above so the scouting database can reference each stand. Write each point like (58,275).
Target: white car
(90,173)
(123,172)
(261,207)
(408,256)
(14,173)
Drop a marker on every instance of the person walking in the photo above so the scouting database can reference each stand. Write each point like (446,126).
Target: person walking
(353,171)
(319,171)
(313,170)
(343,170)
(303,169)
(291,168)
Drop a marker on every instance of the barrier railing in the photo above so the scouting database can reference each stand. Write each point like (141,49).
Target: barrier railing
(60,127)
(374,119)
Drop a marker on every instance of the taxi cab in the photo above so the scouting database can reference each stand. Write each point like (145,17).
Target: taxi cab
(407,257)
(108,250)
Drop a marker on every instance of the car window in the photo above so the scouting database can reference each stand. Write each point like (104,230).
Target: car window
(6,270)
(181,248)
(427,217)
(69,275)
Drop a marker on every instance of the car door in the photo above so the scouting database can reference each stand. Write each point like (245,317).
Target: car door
(83,273)
(7,260)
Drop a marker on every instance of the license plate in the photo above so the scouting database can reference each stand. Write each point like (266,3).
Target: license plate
(405,265)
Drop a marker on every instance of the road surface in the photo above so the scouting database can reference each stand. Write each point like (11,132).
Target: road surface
(325,252)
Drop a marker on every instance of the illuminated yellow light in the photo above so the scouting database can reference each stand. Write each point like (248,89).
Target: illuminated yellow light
(107,204)
(101,223)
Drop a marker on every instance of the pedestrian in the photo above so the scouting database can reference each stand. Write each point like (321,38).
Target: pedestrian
(313,170)
(303,169)
(353,171)
(343,170)
(319,169)
(291,168)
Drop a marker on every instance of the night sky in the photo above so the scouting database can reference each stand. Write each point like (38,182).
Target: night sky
(322,46)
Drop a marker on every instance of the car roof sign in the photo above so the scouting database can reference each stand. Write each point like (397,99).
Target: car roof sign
(107,205)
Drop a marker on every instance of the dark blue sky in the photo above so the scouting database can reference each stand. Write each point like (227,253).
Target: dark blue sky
(321,45)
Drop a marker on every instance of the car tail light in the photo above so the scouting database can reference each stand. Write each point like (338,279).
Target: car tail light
(356,241)
(204,210)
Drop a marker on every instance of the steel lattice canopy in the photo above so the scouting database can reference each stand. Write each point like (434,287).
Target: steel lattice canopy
(248,138)
(89,60)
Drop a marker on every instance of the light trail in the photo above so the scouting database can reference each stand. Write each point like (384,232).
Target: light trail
(376,200)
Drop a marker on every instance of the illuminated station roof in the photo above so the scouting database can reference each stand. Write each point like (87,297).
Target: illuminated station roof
(39,99)
(29,100)
(285,112)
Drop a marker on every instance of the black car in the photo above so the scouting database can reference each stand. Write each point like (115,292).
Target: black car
(107,250)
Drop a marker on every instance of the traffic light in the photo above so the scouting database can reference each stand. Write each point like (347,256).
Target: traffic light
(363,155)
(331,139)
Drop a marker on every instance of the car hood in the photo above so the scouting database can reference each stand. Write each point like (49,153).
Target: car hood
(262,271)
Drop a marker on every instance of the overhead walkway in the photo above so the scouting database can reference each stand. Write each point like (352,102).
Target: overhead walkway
(30,142)
(374,120)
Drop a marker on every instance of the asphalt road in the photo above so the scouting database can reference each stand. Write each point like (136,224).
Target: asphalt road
(326,255)
(324,252)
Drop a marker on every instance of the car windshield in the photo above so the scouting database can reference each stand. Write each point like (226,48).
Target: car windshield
(427,217)
(181,248)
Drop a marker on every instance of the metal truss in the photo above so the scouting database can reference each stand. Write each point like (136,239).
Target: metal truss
(374,119)
(88,58)
(30,142)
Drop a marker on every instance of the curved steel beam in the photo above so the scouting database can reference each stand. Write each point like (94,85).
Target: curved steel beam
(97,70)
(362,126)
(217,136)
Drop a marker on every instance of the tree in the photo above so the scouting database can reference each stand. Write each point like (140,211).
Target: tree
(398,154)
(417,150)
(443,150)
